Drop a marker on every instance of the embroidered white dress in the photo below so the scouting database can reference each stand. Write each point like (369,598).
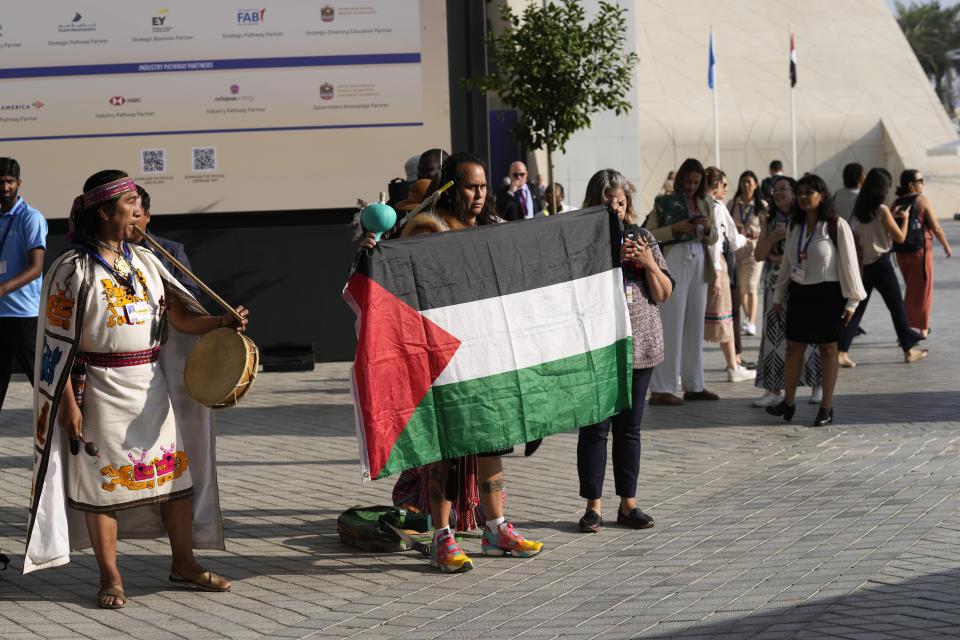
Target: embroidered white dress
(126,409)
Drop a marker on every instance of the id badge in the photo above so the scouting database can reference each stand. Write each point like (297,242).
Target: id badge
(3,267)
(797,274)
(137,312)
(628,292)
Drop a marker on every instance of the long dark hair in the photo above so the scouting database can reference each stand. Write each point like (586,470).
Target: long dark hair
(690,165)
(816,183)
(907,176)
(452,199)
(793,187)
(86,221)
(872,194)
(758,202)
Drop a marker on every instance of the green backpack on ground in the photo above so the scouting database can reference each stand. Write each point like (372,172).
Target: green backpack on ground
(369,528)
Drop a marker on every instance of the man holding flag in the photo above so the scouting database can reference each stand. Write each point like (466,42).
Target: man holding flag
(474,341)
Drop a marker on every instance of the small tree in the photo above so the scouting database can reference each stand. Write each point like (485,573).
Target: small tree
(557,70)
(932,31)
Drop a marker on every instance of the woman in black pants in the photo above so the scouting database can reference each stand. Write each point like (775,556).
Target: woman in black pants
(646,285)
(876,229)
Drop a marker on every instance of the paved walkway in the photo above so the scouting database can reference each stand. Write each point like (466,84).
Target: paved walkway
(764,529)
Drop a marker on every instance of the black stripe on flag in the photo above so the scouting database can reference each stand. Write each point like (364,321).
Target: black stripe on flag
(453,267)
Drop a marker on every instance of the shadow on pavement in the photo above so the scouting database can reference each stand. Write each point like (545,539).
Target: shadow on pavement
(922,607)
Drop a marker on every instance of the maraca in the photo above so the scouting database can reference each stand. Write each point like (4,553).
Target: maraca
(378,217)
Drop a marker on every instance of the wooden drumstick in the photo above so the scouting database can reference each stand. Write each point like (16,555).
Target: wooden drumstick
(179,265)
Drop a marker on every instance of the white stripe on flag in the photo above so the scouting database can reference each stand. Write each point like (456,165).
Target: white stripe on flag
(533,327)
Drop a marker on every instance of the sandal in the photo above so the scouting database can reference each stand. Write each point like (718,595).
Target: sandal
(115,592)
(206,581)
(915,354)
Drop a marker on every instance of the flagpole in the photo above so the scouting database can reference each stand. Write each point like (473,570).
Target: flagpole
(793,113)
(716,101)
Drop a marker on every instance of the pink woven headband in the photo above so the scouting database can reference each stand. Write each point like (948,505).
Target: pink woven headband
(107,192)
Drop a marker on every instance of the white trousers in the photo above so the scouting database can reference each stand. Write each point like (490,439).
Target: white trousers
(683,322)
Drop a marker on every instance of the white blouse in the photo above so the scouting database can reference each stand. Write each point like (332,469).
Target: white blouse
(823,263)
(727,229)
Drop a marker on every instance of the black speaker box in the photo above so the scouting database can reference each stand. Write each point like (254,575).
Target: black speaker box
(287,357)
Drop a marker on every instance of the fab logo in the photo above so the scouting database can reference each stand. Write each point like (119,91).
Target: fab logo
(250,17)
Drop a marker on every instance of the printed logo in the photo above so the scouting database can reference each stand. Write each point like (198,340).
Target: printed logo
(77,25)
(327,13)
(15,107)
(159,21)
(119,101)
(326,91)
(234,95)
(250,17)
(37,104)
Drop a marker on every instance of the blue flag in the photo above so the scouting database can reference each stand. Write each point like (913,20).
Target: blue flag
(711,73)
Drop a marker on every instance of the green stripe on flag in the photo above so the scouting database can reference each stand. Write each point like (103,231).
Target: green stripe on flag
(454,420)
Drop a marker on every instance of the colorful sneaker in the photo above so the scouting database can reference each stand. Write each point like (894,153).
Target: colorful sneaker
(446,555)
(508,542)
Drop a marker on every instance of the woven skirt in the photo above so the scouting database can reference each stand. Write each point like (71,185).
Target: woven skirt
(718,320)
(815,312)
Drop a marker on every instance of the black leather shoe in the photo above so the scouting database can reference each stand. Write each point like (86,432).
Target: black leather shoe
(591,522)
(636,519)
(531,447)
(824,417)
(783,409)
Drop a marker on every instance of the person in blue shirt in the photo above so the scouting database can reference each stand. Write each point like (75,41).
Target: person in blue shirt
(23,243)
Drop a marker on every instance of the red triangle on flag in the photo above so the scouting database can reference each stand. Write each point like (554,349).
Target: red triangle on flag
(400,352)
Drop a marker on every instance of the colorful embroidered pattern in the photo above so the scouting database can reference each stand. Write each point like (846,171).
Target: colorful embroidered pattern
(118,296)
(109,191)
(42,424)
(145,475)
(60,309)
(49,361)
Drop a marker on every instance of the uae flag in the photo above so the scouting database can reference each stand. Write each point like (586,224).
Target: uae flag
(476,340)
(793,63)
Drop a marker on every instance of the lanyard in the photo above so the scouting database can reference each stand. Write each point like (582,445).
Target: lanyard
(128,282)
(6,232)
(802,246)
(745,212)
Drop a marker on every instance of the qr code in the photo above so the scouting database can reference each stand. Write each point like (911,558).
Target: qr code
(204,158)
(153,160)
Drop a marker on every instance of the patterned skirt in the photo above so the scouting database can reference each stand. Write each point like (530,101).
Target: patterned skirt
(718,320)
(773,343)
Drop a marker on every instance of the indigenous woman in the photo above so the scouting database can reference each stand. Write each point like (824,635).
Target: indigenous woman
(876,229)
(147,465)
(746,208)
(917,266)
(773,343)
(820,270)
(647,284)
(465,205)
(683,223)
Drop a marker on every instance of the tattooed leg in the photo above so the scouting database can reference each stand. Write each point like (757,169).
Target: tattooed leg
(490,472)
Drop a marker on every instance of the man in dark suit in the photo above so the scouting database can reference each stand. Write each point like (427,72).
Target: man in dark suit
(173,248)
(520,199)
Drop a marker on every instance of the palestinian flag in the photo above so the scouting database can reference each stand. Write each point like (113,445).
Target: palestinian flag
(480,339)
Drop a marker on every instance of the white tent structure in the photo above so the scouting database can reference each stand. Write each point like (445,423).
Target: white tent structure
(861,96)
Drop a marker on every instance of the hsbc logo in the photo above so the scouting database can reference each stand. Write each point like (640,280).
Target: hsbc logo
(119,101)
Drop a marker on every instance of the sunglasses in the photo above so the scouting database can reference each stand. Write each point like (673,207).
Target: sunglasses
(519,175)
(920,180)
